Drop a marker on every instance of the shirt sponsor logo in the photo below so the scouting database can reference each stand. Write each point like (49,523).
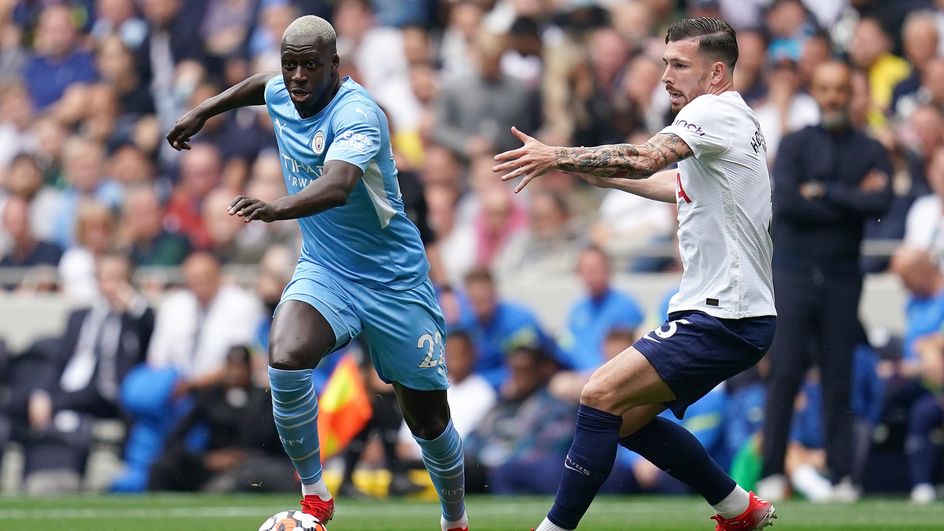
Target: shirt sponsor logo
(695,128)
(354,141)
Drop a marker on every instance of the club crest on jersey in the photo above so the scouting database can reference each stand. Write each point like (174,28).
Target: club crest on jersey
(318,143)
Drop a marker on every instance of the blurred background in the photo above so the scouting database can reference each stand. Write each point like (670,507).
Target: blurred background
(134,311)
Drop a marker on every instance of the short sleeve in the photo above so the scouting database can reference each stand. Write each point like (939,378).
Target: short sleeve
(700,124)
(271,87)
(357,138)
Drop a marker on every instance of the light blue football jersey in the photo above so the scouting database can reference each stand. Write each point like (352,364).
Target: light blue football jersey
(369,239)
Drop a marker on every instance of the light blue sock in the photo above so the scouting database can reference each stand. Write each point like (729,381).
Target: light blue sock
(443,458)
(295,408)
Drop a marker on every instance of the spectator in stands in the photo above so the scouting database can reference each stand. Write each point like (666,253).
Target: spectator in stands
(239,136)
(817,49)
(100,346)
(925,221)
(115,61)
(171,54)
(924,313)
(548,245)
(923,446)
(919,42)
(95,234)
(58,59)
(822,196)
(16,117)
(118,18)
(23,249)
(789,26)
(497,327)
(83,163)
(200,172)
(240,450)
(475,113)
(785,109)
(195,327)
(525,433)
(601,310)
(377,53)
(266,184)
(752,58)
(225,230)
(871,51)
(143,235)
(130,166)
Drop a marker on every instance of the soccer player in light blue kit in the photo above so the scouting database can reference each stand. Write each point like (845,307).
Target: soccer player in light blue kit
(362,269)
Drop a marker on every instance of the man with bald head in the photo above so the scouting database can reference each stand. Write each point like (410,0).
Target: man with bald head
(362,269)
(828,180)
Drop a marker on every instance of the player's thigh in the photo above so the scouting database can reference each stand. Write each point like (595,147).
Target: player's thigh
(314,318)
(626,381)
(405,332)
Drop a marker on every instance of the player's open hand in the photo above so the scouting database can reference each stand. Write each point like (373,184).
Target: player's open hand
(250,208)
(187,126)
(530,161)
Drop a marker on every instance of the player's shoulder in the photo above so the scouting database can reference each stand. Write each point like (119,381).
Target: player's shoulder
(275,91)
(353,102)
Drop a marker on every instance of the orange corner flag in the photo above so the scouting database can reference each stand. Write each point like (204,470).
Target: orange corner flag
(343,408)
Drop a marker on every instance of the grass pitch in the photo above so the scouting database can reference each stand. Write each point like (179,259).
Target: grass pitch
(194,512)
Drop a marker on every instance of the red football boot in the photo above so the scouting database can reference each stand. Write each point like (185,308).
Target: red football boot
(320,509)
(758,515)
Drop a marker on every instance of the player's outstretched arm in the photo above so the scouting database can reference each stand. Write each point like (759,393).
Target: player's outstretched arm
(659,186)
(616,161)
(328,191)
(250,91)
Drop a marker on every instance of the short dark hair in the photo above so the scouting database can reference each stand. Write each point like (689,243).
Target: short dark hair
(717,37)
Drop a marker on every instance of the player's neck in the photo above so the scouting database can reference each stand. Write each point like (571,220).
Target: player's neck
(725,86)
(319,105)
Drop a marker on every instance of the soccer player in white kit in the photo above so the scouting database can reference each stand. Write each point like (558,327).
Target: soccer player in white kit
(722,320)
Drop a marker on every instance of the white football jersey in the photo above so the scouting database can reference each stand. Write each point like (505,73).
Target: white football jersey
(724,210)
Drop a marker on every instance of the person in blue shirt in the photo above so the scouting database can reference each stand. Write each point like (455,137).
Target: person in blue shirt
(498,327)
(593,316)
(362,269)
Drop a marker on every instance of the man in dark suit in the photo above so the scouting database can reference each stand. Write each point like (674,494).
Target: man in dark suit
(101,344)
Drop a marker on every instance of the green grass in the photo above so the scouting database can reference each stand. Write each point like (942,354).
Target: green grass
(207,512)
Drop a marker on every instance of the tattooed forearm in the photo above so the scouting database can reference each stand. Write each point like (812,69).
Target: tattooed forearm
(623,160)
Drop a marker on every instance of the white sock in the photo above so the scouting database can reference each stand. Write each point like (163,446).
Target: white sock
(461,523)
(319,488)
(547,525)
(733,504)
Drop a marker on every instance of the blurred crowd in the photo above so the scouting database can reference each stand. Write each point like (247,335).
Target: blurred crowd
(96,206)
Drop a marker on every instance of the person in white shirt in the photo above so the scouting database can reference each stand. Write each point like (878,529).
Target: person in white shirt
(196,327)
(723,317)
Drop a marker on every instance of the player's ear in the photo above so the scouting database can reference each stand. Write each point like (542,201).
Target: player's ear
(718,71)
(335,61)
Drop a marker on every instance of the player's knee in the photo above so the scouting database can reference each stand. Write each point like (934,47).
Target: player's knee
(292,356)
(430,429)
(598,396)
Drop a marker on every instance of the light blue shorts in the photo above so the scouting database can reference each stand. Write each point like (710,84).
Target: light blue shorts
(404,330)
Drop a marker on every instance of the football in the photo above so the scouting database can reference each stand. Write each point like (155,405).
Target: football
(288,520)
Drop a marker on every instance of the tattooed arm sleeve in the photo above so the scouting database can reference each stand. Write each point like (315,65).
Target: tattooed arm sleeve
(627,161)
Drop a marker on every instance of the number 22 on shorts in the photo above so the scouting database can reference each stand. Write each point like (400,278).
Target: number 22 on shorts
(433,345)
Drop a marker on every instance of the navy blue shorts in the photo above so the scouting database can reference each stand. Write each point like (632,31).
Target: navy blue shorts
(693,352)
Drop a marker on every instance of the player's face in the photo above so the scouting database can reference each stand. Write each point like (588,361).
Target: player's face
(309,70)
(687,72)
